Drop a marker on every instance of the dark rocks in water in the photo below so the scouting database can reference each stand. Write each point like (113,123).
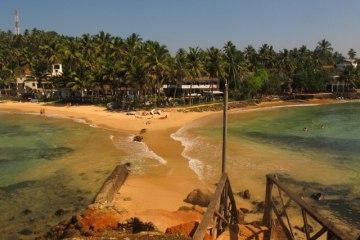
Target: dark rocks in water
(245,194)
(66,229)
(317,196)
(135,225)
(197,197)
(138,138)
(142,131)
(27,211)
(59,212)
(17,186)
(302,229)
(26,232)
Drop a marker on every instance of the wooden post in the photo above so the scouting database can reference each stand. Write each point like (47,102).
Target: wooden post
(267,218)
(224,147)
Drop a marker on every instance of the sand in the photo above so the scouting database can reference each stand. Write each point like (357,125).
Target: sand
(166,188)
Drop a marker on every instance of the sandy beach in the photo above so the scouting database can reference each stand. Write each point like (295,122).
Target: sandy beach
(166,188)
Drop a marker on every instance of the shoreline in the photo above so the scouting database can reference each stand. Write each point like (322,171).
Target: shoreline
(166,188)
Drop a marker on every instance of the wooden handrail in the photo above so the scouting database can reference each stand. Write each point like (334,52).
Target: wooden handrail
(270,207)
(212,215)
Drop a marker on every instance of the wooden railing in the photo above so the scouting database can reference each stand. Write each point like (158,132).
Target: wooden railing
(282,217)
(221,212)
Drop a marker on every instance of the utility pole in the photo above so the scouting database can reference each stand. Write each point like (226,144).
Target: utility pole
(225,116)
(17,22)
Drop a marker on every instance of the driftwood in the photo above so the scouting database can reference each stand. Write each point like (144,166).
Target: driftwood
(112,184)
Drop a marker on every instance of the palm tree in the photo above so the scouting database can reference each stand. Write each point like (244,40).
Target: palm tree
(195,66)
(351,53)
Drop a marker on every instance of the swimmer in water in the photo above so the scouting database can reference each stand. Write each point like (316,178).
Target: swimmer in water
(305,129)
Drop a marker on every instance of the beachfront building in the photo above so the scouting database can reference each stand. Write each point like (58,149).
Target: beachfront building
(347,63)
(198,87)
(57,70)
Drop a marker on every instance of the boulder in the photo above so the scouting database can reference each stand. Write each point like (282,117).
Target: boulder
(26,232)
(135,225)
(26,211)
(59,212)
(185,229)
(197,197)
(246,194)
(302,229)
(142,131)
(318,196)
(260,206)
(245,210)
(138,138)
(111,106)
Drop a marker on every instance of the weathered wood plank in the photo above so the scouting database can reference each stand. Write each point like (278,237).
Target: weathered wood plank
(209,214)
(289,234)
(112,184)
(311,211)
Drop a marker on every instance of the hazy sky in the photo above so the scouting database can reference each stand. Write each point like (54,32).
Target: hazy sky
(184,23)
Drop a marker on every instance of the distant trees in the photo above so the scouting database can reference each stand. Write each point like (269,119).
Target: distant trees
(91,63)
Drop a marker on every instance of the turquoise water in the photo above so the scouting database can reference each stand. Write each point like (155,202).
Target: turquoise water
(47,165)
(314,148)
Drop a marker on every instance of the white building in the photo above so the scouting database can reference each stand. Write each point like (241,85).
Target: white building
(57,70)
(346,63)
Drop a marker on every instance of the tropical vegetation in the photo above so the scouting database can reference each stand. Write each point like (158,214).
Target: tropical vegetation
(93,62)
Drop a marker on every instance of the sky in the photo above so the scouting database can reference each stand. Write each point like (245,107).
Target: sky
(203,23)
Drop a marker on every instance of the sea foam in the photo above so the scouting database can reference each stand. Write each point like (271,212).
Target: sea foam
(136,149)
(189,144)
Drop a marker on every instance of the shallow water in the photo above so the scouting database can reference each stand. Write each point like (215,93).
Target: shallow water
(51,164)
(325,158)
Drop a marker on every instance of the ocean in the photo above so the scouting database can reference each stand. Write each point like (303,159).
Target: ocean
(312,148)
(48,164)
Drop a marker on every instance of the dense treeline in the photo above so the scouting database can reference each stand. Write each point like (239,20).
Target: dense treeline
(91,62)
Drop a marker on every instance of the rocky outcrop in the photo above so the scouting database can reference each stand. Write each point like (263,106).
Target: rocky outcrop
(197,197)
(186,229)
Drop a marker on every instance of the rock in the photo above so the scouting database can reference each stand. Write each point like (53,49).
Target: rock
(138,138)
(185,229)
(302,229)
(245,210)
(197,197)
(26,232)
(127,199)
(142,131)
(260,206)
(246,194)
(318,196)
(26,211)
(135,225)
(59,212)
(131,113)
(11,219)
(112,106)
(89,233)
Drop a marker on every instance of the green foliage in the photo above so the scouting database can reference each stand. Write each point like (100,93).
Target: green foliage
(93,62)
(254,85)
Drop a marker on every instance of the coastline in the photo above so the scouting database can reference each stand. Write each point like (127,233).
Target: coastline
(166,188)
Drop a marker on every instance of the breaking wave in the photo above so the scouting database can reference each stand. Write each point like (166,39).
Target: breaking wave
(201,169)
(137,151)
